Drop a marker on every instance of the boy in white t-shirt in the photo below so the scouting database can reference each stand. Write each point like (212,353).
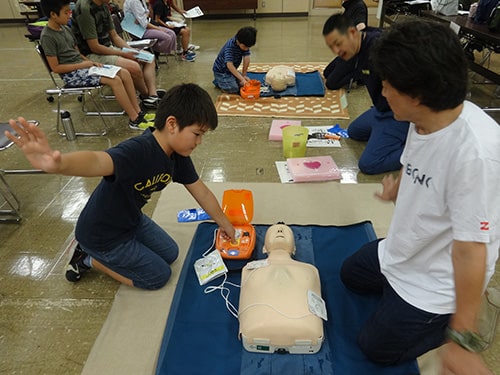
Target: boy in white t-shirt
(440,252)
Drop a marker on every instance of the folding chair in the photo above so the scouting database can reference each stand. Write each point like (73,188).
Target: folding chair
(82,92)
(10,208)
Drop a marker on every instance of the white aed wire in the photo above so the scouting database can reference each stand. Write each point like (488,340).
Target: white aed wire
(275,309)
(224,292)
(212,245)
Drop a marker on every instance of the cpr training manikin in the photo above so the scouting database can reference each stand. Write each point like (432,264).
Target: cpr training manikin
(279,300)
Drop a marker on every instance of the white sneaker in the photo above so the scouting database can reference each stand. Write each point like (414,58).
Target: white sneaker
(193,47)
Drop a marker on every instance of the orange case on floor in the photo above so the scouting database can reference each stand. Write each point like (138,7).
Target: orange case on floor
(251,90)
(238,207)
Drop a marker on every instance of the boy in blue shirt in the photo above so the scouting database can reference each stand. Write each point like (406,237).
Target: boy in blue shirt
(113,234)
(225,68)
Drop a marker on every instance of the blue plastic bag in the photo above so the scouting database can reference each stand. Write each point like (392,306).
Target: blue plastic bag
(192,214)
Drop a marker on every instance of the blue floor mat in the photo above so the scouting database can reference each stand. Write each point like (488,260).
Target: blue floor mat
(306,84)
(201,336)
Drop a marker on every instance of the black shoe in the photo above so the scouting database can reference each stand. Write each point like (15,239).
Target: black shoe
(161,93)
(150,102)
(76,267)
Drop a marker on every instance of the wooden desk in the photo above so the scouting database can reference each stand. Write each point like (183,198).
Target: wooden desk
(207,5)
(472,34)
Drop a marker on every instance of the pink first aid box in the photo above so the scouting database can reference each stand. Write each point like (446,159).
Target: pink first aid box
(313,168)
(276,131)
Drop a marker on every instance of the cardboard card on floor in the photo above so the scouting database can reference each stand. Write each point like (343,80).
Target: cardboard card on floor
(313,168)
(319,136)
(283,172)
(276,131)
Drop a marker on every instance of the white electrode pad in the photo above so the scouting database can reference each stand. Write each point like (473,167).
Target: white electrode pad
(209,267)
(316,305)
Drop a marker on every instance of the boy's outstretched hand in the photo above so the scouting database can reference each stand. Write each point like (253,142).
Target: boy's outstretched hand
(33,142)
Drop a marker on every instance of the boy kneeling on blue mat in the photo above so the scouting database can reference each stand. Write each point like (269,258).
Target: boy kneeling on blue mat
(113,233)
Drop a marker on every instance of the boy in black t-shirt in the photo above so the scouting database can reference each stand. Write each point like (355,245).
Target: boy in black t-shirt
(113,234)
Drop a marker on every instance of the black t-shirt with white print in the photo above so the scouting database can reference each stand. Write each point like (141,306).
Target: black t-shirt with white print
(141,168)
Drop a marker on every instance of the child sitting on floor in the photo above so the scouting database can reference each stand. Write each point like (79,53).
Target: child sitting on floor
(64,58)
(225,68)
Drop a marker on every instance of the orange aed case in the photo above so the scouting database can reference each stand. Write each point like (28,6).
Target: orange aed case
(251,90)
(237,205)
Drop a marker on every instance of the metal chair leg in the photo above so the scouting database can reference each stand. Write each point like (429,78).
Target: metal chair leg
(12,213)
(99,113)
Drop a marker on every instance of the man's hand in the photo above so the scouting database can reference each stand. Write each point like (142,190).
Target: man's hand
(390,188)
(455,360)
(33,142)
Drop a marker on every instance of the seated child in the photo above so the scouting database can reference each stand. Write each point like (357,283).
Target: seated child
(162,11)
(274,298)
(166,39)
(225,68)
(64,58)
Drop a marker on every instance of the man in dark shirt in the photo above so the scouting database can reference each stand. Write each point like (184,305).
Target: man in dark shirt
(386,136)
(357,12)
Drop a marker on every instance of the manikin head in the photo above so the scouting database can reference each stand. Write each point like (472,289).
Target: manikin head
(279,237)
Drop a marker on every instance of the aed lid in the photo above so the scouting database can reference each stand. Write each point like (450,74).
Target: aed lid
(238,206)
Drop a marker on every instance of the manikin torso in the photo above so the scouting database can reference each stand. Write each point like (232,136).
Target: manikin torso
(274,296)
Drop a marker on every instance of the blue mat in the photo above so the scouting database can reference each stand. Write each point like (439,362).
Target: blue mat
(306,84)
(201,335)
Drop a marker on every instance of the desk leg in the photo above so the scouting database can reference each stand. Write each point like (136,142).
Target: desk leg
(381,13)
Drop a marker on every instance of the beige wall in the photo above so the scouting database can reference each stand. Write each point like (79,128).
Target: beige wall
(264,6)
(327,3)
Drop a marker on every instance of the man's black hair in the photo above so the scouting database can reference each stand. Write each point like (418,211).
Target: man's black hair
(52,6)
(338,22)
(424,60)
(247,35)
(189,104)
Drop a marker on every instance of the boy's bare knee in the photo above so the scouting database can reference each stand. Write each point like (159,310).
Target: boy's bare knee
(133,67)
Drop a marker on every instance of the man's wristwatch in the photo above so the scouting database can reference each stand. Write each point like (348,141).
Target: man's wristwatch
(468,340)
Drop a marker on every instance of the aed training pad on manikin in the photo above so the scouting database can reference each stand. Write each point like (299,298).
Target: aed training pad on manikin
(237,205)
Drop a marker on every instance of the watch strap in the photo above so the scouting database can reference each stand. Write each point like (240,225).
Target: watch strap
(468,340)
